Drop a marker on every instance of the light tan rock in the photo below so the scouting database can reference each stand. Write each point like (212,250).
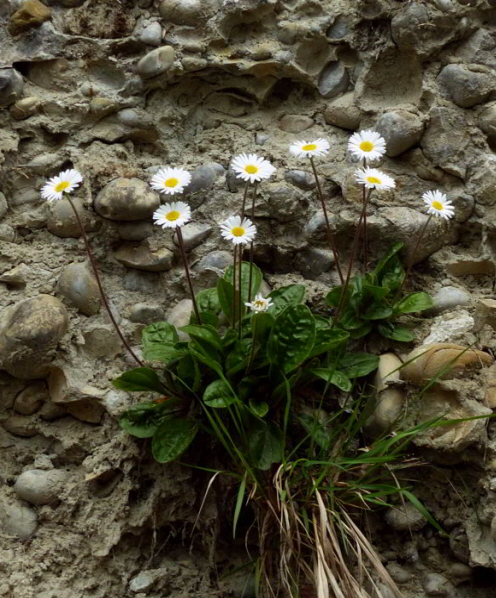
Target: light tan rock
(485,313)
(490,393)
(388,371)
(32,13)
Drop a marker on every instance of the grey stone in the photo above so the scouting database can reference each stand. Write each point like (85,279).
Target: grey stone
(339,29)
(135,231)
(487,122)
(127,199)
(467,85)
(333,80)
(51,411)
(16,277)
(145,313)
(193,235)
(25,108)
(29,334)
(342,112)
(218,260)
(3,205)
(142,282)
(17,519)
(398,573)
(261,138)
(316,230)
(7,233)
(78,285)
(295,123)
(301,179)
(65,3)
(203,178)
(285,203)
(449,298)
(142,582)
(436,584)
(11,85)
(25,427)
(142,256)
(313,262)
(180,315)
(62,222)
(38,486)
(102,341)
(89,411)
(401,130)
(405,517)
(152,34)
(29,400)
(187,12)
(482,182)
(156,62)
(459,545)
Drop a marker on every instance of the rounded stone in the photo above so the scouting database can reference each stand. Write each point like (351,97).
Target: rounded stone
(127,200)
(466,86)
(401,130)
(25,107)
(333,80)
(218,260)
(187,12)
(142,256)
(449,298)
(156,62)
(487,122)
(62,222)
(39,486)
(29,334)
(193,235)
(78,285)
(405,517)
(180,315)
(29,400)
(342,112)
(295,123)
(135,231)
(11,85)
(145,313)
(301,179)
(17,519)
(436,584)
(3,205)
(152,34)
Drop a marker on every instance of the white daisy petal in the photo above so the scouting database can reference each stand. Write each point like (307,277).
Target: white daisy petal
(252,168)
(260,303)
(368,145)
(65,182)
(309,149)
(172,215)
(438,204)
(170,180)
(374,179)
(238,230)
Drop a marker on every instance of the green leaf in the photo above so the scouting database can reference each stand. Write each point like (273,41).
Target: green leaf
(172,438)
(374,293)
(361,331)
(266,444)
(327,339)
(204,335)
(218,395)
(393,278)
(142,420)
(292,337)
(333,377)
(139,379)
(225,293)
(256,282)
(158,342)
(189,372)
(383,264)
(259,408)
(413,303)
(206,317)
(333,298)
(377,312)
(208,300)
(350,319)
(315,429)
(207,359)
(290,295)
(239,502)
(396,333)
(356,365)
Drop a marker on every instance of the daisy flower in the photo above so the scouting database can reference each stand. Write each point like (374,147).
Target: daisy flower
(238,231)
(367,144)
(438,204)
(173,214)
(65,182)
(260,303)
(170,180)
(252,168)
(374,179)
(309,149)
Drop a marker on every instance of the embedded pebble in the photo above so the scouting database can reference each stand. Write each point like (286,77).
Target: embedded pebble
(17,277)
(39,486)
(11,85)
(398,573)
(180,315)
(193,235)
(448,298)
(203,179)
(25,108)
(405,517)
(313,262)
(152,34)
(101,341)
(29,334)
(21,426)
(187,12)
(485,314)
(62,222)
(29,400)
(339,29)
(4,206)
(142,582)
(17,519)
(31,13)
(146,313)
(450,327)
(487,121)
(342,112)
(333,80)
(78,285)
(435,584)
(142,257)
(156,62)
(467,85)
(127,199)
(401,130)
(295,123)
(7,233)
(301,179)
(218,260)
(135,231)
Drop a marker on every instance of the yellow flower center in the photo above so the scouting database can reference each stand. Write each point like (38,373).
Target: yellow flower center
(171,182)
(309,147)
(437,205)
(373,180)
(366,146)
(62,186)
(251,169)
(171,216)
(238,231)
(259,303)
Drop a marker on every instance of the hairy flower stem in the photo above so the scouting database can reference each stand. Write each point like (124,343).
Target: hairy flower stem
(412,259)
(245,196)
(253,341)
(356,242)
(100,287)
(330,236)
(250,279)
(188,275)
(234,287)
(240,260)
(365,239)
